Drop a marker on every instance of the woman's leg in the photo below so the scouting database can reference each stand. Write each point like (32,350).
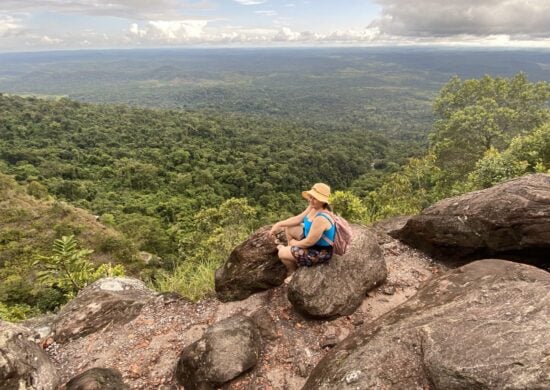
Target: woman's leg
(287,259)
(294,233)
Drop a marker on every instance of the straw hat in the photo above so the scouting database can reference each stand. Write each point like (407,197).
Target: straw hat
(319,191)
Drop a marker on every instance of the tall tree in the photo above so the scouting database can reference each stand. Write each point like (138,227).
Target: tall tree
(477,115)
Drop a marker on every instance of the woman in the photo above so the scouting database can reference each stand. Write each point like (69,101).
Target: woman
(304,232)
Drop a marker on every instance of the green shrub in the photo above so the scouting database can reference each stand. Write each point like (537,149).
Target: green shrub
(108,219)
(108,270)
(66,229)
(49,299)
(120,248)
(15,288)
(111,244)
(6,183)
(8,235)
(493,168)
(16,313)
(193,280)
(39,191)
(69,269)
(59,210)
(349,206)
(205,242)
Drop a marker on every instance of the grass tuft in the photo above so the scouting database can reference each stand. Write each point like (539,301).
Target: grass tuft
(192,280)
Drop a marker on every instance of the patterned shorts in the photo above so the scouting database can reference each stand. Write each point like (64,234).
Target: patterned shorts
(306,257)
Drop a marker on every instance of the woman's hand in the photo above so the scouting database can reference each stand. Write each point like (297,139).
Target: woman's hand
(293,242)
(274,229)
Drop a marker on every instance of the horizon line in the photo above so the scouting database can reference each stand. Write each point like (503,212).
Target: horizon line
(286,47)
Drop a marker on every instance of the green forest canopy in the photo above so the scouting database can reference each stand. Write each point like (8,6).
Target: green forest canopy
(176,182)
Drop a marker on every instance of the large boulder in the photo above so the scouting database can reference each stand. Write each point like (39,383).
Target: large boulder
(512,216)
(23,364)
(97,378)
(481,326)
(253,266)
(338,287)
(390,226)
(227,349)
(41,325)
(108,301)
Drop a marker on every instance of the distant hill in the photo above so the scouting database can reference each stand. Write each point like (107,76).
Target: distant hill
(388,90)
(27,221)
(28,227)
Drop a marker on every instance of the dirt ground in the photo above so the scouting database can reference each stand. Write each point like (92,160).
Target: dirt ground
(147,349)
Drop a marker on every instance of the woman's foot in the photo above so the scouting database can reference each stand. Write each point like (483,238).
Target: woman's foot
(289,278)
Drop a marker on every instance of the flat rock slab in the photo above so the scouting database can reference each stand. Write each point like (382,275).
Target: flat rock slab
(511,216)
(253,266)
(107,301)
(23,364)
(482,326)
(338,287)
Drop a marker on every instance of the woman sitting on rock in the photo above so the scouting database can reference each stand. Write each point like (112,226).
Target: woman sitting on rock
(304,232)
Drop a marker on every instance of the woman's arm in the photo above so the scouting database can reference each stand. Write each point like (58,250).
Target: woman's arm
(318,227)
(292,221)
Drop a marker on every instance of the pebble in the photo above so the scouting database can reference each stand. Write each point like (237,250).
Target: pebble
(329,342)
(302,370)
(388,290)
(358,321)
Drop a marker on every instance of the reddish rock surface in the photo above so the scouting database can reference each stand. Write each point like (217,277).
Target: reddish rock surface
(146,349)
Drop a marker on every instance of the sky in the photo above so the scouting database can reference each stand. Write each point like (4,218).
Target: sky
(32,25)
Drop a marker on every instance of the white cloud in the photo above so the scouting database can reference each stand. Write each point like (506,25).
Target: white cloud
(135,30)
(286,34)
(9,26)
(129,9)
(173,31)
(153,23)
(180,29)
(350,35)
(50,41)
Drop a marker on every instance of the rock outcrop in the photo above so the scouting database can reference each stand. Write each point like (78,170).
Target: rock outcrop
(511,216)
(253,266)
(97,379)
(23,364)
(338,287)
(227,349)
(483,326)
(389,227)
(105,302)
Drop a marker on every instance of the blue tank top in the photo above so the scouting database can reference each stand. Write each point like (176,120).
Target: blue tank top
(330,233)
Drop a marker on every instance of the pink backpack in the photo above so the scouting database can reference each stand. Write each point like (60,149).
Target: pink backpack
(343,235)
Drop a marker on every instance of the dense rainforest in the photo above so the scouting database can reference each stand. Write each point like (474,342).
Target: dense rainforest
(168,179)
(186,186)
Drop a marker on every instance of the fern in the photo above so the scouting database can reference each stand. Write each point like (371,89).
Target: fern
(69,269)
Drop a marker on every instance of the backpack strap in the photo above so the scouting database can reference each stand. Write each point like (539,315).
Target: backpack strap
(324,237)
(326,217)
(327,240)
